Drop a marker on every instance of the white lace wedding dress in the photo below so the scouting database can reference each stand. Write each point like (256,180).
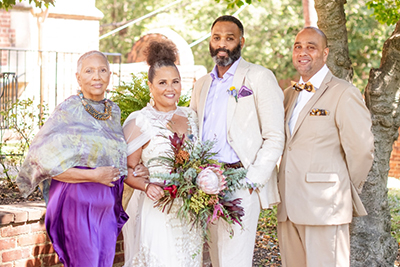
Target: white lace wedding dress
(154,238)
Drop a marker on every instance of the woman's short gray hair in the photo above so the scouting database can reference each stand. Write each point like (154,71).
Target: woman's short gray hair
(88,54)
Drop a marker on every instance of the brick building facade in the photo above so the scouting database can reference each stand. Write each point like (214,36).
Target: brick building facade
(7,35)
(394,163)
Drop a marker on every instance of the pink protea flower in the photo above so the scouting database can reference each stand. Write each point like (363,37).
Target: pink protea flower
(211,181)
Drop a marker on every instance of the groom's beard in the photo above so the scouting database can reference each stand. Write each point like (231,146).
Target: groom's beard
(226,60)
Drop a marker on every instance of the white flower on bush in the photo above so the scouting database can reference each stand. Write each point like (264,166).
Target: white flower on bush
(211,181)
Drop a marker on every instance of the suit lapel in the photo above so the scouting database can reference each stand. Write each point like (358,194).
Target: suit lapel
(305,111)
(202,102)
(289,107)
(238,81)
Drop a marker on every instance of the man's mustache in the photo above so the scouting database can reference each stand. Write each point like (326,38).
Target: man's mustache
(223,50)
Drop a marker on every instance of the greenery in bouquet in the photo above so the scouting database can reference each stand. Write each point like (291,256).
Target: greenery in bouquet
(201,182)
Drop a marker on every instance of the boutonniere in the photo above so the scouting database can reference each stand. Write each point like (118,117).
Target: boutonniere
(233,92)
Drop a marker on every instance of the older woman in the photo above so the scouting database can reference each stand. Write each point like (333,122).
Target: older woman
(80,157)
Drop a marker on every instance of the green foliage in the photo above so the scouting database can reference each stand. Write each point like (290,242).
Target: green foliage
(269,25)
(394,205)
(135,95)
(385,11)
(6,4)
(366,39)
(132,96)
(118,13)
(233,3)
(270,29)
(24,120)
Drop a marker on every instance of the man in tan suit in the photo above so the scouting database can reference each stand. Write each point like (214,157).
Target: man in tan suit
(327,156)
(241,106)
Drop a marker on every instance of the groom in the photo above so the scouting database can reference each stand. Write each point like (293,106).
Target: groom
(241,106)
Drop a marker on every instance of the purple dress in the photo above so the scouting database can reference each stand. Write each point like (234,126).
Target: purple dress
(83,219)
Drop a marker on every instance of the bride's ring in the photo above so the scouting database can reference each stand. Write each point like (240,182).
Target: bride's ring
(115,178)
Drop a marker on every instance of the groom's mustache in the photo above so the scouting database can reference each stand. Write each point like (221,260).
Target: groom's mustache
(216,51)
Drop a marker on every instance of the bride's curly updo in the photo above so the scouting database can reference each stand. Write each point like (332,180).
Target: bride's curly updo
(160,54)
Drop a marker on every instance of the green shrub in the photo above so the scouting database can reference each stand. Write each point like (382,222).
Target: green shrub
(394,205)
(24,120)
(135,95)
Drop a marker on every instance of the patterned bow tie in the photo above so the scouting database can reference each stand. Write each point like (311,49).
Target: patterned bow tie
(303,86)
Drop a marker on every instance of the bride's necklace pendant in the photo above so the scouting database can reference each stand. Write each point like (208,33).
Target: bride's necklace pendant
(92,111)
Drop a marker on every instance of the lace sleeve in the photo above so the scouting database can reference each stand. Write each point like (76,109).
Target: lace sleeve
(137,131)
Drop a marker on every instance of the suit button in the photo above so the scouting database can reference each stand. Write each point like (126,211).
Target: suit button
(290,149)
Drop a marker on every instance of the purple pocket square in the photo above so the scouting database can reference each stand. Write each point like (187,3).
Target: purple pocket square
(244,91)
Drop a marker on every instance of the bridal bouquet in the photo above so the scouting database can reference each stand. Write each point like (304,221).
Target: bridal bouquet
(201,182)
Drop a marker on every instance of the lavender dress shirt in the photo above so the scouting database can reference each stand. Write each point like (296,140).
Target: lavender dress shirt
(215,114)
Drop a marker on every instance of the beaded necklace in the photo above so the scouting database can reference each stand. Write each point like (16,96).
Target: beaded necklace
(92,111)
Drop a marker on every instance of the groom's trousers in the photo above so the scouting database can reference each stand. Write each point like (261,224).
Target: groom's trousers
(238,250)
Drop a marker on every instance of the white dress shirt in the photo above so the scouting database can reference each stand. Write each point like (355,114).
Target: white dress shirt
(304,95)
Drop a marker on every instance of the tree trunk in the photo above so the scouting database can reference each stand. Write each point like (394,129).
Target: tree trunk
(372,244)
(332,21)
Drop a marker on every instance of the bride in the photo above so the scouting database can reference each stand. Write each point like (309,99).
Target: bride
(152,237)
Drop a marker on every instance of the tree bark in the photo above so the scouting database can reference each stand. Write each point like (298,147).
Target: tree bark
(332,21)
(372,244)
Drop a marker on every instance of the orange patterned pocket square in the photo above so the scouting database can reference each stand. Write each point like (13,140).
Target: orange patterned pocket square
(319,112)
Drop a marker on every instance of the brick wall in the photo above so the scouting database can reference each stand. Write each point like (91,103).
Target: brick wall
(7,35)
(395,160)
(24,241)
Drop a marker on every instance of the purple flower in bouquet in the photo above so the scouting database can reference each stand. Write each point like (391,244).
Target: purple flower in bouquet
(235,211)
(211,181)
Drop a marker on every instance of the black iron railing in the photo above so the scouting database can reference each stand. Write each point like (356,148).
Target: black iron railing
(8,96)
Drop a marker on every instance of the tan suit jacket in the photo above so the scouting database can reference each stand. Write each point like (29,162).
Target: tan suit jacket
(254,125)
(327,158)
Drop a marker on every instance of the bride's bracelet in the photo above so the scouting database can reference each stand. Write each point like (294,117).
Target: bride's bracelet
(146,187)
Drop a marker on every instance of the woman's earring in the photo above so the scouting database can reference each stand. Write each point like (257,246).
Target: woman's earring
(152,100)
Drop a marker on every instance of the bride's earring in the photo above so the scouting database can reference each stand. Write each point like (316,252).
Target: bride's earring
(152,100)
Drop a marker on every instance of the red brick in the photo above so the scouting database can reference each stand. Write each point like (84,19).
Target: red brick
(119,248)
(28,263)
(119,258)
(43,249)
(20,216)
(120,237)
(7,243)
(32,239)
(38,227)
(15,254)
(50,260)
(6,217)
(14,230)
